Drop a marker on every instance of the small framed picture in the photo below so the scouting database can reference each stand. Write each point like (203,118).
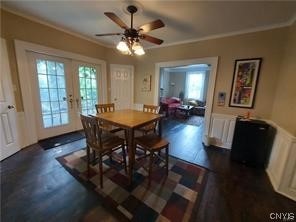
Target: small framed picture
(146,83)
(244,83)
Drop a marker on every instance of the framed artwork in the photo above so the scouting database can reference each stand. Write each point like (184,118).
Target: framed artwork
(146,83)
(244,83)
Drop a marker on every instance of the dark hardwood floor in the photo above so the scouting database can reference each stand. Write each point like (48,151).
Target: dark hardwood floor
(35,187)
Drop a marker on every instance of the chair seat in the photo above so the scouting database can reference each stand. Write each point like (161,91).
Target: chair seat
(109,141)
(151,142)
(110,128)
(147,128)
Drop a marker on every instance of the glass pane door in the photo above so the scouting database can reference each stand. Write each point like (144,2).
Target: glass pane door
(60,94)
(52,93)
(88,89)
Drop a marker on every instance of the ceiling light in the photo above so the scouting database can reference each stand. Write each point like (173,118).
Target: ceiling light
(130,46)
(137,48)
(123,47)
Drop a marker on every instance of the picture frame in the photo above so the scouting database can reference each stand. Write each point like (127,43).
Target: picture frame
(146,83)
(244,82)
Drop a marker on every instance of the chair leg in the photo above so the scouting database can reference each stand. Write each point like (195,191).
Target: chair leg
(101,170)
(124,158)
(167,160)
(94,157)
(150,167)
(125,140)
(88,160)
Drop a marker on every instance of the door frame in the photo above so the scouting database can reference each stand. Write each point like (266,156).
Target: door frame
(21,49)
(213,61)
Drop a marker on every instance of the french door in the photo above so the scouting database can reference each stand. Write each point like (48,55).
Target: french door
(63,89)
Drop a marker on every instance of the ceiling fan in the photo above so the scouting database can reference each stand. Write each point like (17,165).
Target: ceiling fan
(131,35)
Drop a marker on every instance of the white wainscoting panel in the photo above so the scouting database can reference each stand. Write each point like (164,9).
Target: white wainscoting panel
(288,184)
(221,130)
(138,106)
(282,163)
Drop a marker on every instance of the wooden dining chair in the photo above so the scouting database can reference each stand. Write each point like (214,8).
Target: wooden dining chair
(152,126)
(153,144)
(104,108)
(101,143)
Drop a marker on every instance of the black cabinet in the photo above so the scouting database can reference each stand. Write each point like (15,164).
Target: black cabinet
(252,142)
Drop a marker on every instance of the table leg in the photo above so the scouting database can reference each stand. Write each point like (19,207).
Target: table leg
(131,154)
(160,127)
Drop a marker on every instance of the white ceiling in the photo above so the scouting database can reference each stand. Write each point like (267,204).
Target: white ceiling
(185,21)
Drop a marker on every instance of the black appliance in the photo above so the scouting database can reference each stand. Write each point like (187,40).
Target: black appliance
(252,142)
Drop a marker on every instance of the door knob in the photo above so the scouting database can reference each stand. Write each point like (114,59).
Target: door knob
(10,107)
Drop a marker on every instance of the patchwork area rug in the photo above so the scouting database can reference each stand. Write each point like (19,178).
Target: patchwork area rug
(172,198)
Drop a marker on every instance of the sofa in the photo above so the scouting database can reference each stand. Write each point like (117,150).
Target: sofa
(168,105)
(199,107)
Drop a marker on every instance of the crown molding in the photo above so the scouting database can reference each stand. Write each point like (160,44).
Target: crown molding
(229,34)
(34,19)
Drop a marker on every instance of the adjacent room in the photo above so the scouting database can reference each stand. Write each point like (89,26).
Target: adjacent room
(148,111)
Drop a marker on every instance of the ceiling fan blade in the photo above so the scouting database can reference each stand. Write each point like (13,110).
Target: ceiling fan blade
(151,26)
(116,19)
(151,39)
(108,34)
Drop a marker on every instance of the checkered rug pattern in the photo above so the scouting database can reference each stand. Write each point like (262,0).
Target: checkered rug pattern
(172,198)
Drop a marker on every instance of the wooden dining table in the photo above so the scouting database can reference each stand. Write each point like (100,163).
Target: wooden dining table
(130,120)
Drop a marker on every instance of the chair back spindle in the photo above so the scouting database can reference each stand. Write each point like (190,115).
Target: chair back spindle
(92,130)
(151,109)
(104,108)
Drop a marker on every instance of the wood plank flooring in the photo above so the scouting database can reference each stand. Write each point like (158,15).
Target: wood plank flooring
(35,187)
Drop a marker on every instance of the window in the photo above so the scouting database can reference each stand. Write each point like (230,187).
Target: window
(195,85)
(52,92)
(88,89)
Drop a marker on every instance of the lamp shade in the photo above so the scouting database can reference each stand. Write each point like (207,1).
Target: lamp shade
(138,49)
(122,46)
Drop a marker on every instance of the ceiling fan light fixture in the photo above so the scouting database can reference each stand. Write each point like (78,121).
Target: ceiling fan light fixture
(128,52)
(140,52)
(137,48)
(129,44)
(123,47)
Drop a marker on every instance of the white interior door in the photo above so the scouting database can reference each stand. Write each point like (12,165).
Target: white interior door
(53,95)
(122,86)
(8,124)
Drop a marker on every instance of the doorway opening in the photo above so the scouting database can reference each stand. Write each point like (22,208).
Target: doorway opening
(183,93)
(199,83)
